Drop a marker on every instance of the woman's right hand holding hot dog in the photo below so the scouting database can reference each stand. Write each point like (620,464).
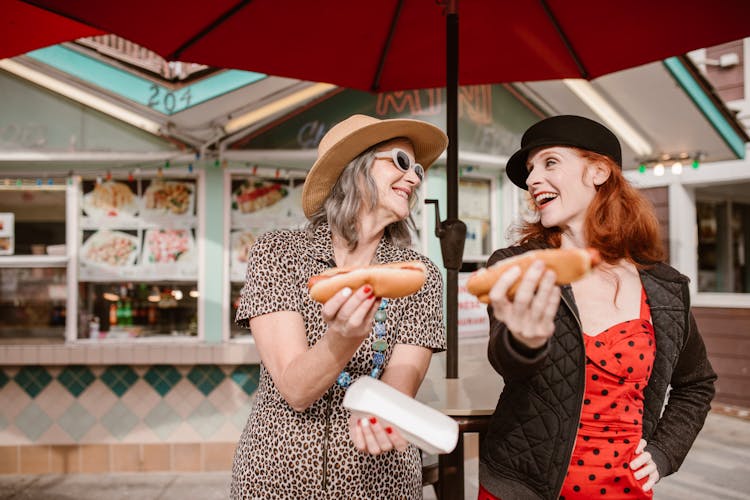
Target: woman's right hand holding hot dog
(351,313)
(530,315)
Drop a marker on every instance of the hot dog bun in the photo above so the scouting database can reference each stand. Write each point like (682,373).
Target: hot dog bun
(570,264)
(394,280)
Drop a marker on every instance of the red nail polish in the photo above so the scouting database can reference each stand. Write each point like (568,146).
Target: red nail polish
(367,289)
(371,296)
(373,420)
(389,430)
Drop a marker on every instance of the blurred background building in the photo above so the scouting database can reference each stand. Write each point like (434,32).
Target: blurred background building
(131,188)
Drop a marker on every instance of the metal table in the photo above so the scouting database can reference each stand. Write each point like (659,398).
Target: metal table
(470,400)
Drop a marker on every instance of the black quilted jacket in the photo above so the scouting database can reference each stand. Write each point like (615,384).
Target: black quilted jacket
(527,448)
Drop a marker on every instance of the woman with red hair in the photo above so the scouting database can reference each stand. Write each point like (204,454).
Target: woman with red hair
(587,366)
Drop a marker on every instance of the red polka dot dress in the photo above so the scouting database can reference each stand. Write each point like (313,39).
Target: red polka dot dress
(618,366)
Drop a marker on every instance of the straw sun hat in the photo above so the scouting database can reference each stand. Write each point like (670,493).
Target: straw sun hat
(349,138)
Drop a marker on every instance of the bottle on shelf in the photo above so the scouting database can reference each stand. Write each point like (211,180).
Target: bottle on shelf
(152,314)
(112,314)
(94,327)
(127,313)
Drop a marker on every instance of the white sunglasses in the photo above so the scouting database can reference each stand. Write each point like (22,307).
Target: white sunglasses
(402,160)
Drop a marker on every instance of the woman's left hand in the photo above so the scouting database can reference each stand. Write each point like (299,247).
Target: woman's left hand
(643,466)
(370,436)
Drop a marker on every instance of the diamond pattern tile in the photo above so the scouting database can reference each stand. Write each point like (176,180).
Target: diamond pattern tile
(32,379)
(76,421)
(227,397)
(206,419)
(239,417)
(163,420)
(184,398)
(247,376)
(98,398)
(206,377)
(119,378)
(4,379)
(54,400)
(33,422)
(141,398)
(13,400)
(119,420)
(76,379)
(162,378)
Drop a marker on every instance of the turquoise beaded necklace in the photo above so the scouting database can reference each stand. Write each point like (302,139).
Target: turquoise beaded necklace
(379,346)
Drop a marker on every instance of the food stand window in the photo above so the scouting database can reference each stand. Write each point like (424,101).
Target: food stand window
(138,259)
(476,210)
(33,261)
(262,199)
(723,220)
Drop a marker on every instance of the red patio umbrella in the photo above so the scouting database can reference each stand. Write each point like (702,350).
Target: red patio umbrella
(25,27)
(407,44)
(401,44)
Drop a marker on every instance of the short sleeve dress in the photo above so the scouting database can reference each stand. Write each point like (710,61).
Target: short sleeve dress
(285,454)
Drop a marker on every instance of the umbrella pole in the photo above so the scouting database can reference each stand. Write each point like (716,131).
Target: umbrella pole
(451,242)
(451,232)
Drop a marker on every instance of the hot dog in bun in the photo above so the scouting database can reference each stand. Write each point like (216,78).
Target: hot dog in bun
(394,280)
(569,264)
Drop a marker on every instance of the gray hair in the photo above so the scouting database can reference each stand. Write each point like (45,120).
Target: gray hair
(355,186)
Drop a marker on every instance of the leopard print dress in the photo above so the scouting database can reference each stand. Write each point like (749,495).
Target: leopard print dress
(286,454)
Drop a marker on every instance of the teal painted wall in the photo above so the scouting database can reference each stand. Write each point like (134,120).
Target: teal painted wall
(213,260)
(35,119)
(141,90)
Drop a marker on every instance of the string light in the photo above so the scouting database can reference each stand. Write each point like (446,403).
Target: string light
(677,162)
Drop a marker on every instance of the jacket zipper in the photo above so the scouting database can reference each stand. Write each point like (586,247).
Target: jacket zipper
(569,452)
(325,439)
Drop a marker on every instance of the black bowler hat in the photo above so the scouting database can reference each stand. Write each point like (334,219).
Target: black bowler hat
(563,130)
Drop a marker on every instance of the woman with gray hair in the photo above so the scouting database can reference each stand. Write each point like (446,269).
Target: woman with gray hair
(300,442)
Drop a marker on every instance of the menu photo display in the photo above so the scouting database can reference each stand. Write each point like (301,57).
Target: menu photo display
(139,229)
(260,205)
(6,233)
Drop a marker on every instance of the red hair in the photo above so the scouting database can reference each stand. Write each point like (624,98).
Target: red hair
(620,222)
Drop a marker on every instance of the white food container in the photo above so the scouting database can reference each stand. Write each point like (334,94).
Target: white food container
(425,427)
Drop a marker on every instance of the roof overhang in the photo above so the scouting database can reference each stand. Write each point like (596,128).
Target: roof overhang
(668,115)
